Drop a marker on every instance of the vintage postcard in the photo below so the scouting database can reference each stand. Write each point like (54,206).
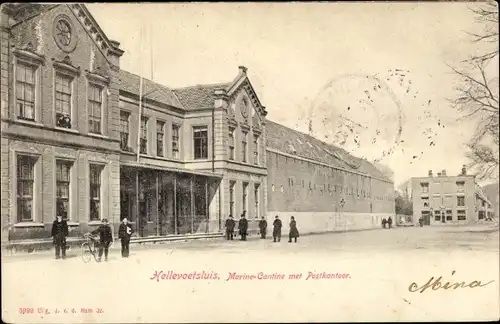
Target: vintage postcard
(249,162)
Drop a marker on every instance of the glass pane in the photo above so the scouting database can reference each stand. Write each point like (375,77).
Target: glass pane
(20,90)
(21,72)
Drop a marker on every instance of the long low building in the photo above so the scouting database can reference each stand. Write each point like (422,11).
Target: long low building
(86,140)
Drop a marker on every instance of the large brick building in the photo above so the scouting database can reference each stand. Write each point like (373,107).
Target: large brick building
(444,199)
(86,140)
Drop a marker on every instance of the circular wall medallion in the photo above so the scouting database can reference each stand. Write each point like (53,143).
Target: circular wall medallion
(64,33)
(244,107)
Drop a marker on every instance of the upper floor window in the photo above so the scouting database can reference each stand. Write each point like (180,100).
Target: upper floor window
(424,187)
(124,130)
(63,100)
(175,141)
(200,142)
(460,201)
(244,146)
(256,149)
(95,109)
(25,91)
(231,143)
(460,186)
(160,133)
(144,136)
(25,187)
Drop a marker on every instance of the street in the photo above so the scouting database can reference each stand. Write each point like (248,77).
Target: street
(354,276)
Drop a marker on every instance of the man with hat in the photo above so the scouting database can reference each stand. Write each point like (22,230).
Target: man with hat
(105,239)
(59,235)
(124,233)
(277,229)
(243,226)
(230,224)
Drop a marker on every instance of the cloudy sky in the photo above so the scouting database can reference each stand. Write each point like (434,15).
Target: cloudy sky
(318,67)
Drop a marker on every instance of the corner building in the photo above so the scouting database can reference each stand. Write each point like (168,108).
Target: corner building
(86,140)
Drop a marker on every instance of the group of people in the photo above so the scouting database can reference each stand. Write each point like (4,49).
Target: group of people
(104,231)
(387,222)
(293,233)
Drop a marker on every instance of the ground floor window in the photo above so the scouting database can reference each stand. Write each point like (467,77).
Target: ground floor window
(25,187)
(481,214)
(461,215)
(95,191)
(449,215)
(437,215)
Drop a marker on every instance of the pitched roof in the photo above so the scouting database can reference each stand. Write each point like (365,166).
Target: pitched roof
(199,96)
(130,82)
(293,142)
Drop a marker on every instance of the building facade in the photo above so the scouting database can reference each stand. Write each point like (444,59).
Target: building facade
(444,199)
(86,140)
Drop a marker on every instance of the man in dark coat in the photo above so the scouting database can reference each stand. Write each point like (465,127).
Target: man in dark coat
(243,227)
(389,222)
(59,235)
(105,239)
(384,222)
(263,228)
(294,232)
(230,224)
(124,233)
(277,229)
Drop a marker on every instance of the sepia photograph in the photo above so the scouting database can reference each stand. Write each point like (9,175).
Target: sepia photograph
(250,162)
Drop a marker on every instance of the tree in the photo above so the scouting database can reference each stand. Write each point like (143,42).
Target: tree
(477,93)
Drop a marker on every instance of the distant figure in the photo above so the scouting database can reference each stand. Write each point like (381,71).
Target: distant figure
(263,228)
(389,222)
(384,221)
(243,227)
(421,221)
(277,229)
(59,235)
(294,232)
(124,233)
(230,224)
(105,239)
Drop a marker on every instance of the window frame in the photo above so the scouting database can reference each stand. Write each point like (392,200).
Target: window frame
(91,186)
(244,144)
(160,140)
(461,214)
(202,150)
(175,140)
(256,192)
(460,198)
(256,149)
(90,104)
(244,196)
(143,135)
(71,77)
(231,143)
(35,61)
(232,186)
(128,114)
(68,183)
(32,183)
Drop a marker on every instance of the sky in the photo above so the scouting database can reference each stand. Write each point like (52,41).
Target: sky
(372,78)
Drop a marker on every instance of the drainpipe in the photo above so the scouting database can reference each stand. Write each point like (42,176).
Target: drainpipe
(213,138)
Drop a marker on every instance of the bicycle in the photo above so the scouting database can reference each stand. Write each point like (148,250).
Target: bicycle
(89,248)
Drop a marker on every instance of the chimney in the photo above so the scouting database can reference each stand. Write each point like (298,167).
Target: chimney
(430,173)
(443,173)
(243,69)
(464,170)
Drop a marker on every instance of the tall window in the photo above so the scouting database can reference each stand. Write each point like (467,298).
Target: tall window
(437,215)
(244,196)
(63,100)
(63,169)
(460,186)
(425,201)
(425,187)
(124,130)
(95,192)
(144,136)
(461,215)
(256,149)
(25,91)
(243,146)
(231,143)
(231,197)
(449,215)
(160,133)
(460,201)
(25,182)
(200,142)
(256,199)
(175,141)
(95,109)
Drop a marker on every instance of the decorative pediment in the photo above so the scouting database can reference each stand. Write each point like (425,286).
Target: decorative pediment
(27,52)
(98,75)
(66,65)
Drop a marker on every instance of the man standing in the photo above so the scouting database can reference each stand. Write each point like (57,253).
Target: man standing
(243,227)
(59,235)
(294,232)
(105,239)
(230,224)
(389,222)
(124,233)
(263,228)
(277,229)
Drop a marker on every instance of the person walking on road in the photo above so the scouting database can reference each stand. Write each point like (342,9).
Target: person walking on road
(124,233)
(243,227)
(105,239)
(263,228)
(59,235)
(294,232)
(389,222)
(277,229)
(384,222)
(230,224)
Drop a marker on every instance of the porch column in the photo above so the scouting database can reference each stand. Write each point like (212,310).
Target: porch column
(207,210)
(137,201)
(192,202)
(176,230)
(157,207)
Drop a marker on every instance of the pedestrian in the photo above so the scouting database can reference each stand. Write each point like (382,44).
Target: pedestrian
(105,239)
(59,235)
(230,224)
(263,228)
(243,227)
(384,222)
(294,232)
(421,221)
(124,233)
(389,222)
(277,229)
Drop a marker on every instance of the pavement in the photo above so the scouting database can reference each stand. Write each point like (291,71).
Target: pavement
(352,276)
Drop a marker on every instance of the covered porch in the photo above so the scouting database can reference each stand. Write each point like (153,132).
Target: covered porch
(161,202)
